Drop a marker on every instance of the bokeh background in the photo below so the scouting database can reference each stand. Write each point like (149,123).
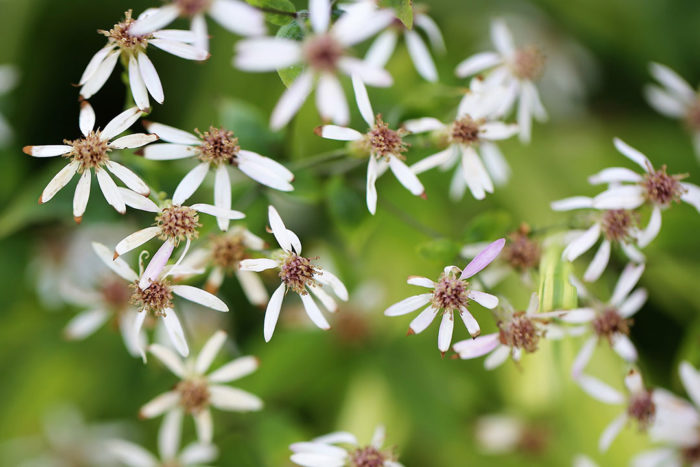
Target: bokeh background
(365,370)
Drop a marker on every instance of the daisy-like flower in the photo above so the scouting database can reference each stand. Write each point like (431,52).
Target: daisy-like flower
(8,80)
(224,252)
(341,449)
(131,46)
(641,405)
(91,152)
(516,70)
(675,98)
(298,274)
(324,54)
(169,453)
(174,223)
(235,16)
(474,131)
(384,145)
(451,293)
(518,332)
(384,45)
(610,321)
(216,149)
(198,390)
(615,226)
(654,187)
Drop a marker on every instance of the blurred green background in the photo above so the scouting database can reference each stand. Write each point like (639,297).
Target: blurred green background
(365,370)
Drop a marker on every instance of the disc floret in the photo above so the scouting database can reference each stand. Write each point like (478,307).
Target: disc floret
(228,250)
(520,332)
(663,189)
(617,224)
(465,131)
(155,298)
(123,38)
(90,152)
(219,146)
(522,253)
(609,323)
(297,272)
(450,293)
(322,53)
(382,141)
(528,63)
(178,223)
(194,395)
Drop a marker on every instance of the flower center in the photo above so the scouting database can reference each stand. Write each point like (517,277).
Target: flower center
(228,251)
(617,224)
(522,253)
(297,272)
(691,454)
(120,35)
(322,52)
(519,332)
(367,456)
(661,188)
(528,63)
(450,293)
(192,7)
(194,395)
(465,131)
(156,298)
(383,141)
(115,293)
(219,146)
(642,409)
(178,223)
(610,323)
(90,152)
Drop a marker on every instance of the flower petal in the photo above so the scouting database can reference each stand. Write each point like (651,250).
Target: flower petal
(583,357)
(582,243)
(200,296)
(314,312)
(628,279)
(85,323)
(150,78)
(367,72)
(208,353)
(120,123)
(420,56)
(620,197)
(155,20)
(233,399)
(135,140)
(330,100)
(340,133)
(130,179)
(477,63)
(137,201)
(136,239)
(599,390)
(484,299)
(599,263)
(423,320)
(575,202)
(406,177)
(267,54)
(272,312)
(319,15)
(60,180)
(189,184)
(445,332)
(472,348)
(291,100)
(614,175)
(238,17)
(138,87)
(652,229)
(169,359)
(469,322)
(483,259)
(611,432)
(159,405)
(632,154)
(95,82)
(222,195)
(171,134)
(110,191)
(180,49)
(86,120)
(234,370)
(408,305)
(258,264)
(175,332)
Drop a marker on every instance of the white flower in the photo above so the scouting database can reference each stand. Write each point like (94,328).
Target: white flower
(474,128)
(518,332)
(384,145)
(654,187)
(514,69)
(8,80)
(91,152)
(675,98)
(131,47)
(152,293)
(198,390)
(615,226)
(235,16)
(324,52)
(216,149)
(450,294)
(325,452)
(384,45)
(609,321)
(299,275)
(224,252)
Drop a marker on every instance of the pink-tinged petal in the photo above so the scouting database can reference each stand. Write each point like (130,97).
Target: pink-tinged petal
(611,432)
(155,20)
(208,353)
(120,123)
(160,404)
(502,38)
(423,320)
(200,296)
(406,177)
(189,184)
(408,305)
(169,358)
(110,191)
(171,134)
(445,332)
(150,78)
(138,87)
(157,264)
(340,133)
(420,281)
(175,332)
(672,81)
(484,299)
(599,390)
(204,426)
(319,15)
(314,312)
(632,154)
(628,279)
(60,180)
(478,63)
(95,63)
(233,399)
(599,262)
(180,49)
(272,312)
(690,377)
(497,357)
(633,303)
(575,202)
(381,49)
(583,357)
(582,243)
(483,259)
(291,100)
(238,17)
(234,370)
(469,322)
(222,195)
(652,229)
(266,54)
(330,100)
(614,175)
(624,347)
(473,348)
(368,73)
(420,56)
(620,197)
(95,82)
(130,179)
(86,119)
(47,150)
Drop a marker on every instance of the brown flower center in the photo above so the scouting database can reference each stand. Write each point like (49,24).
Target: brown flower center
(519,332)
(178,223)
(385,142)
(609,323)
(367,456)
(642,409)
(228,251)
(91,152)
(120,35)
(522,253)
(194,395)
(115,293)
(661,188)
(450,293)
(322,52)
(297,273)
(465,130)
(691,454)
(156,298)
(617,224)
(219,146)
(190,8)
(528,63)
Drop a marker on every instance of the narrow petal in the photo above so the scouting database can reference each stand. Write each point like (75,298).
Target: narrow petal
(138,87)
(222,195)
(371,189)
(258,264)
(423,320)
(628,279)
(253,287)
(445,332)
(198,453)
(137,201)
(497,357)
(150,78)
(368,73)
(421,125)
(599,390)
(175,332)
(632,154)
(278,229)
(129,178)
(157,264)
(432,30)
(171,134)
(136,239)
(330,100)
(408,305)
(86,120)
(672,81)
(95,82)
(575,202)
(475,174)
(381,49)
(81,196)
(473,348)
(502,38)
(326,300)
(209,351)
(110,191)
(60,180)
(406,177)
(478,63)
(95,63)
(614,175)
(204,426)
(420,56)
(238,17)
(129,454)
(85,323)
(170,433)
(180,49)
(484,299)
(690,377)
(291,100)
(434,160)
(169,359)
(624,347)
(361,22)
(652,229)
(135,140)
(272,312)
(469,322)
(599,262)
(121,123)
(692,194)
(583,357)
(118,266)
(664,102)
(267,54)
(582,243)
(620,197)
(497,130)
(420,281)
(328,278)
(234,370)
(270,165)
(633,303)
(158,19)
(190,183)
(159,405)
(483,259)
(47,150)
(314,312)
(496,165)
(168,151)
(200,296)
(340,133)
(611,432)
(234,399)
(319,15)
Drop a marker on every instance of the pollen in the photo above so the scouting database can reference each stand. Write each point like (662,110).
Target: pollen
(178,223)
(323,52)
(528,63)
(522,253)
(642,409)
(385,142)
(120,35)
(610,323)
(194,395)
(190,8)
(90,152)
(297,273)
(450,293)
(367,456)
(617,224)
(228,251)
(661,188)
(519,332)
(156,298)
(219,146)
(465,131)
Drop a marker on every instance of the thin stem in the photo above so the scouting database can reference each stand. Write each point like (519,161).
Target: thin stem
(318,159)
(410,221)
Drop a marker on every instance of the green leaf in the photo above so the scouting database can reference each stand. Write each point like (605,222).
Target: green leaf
(294,31)
(403,9)
(489,225)
(279,5)
(249,125)
(344,204)
(556,292)
(443,250)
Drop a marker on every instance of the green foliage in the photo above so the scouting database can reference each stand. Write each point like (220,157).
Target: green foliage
(403,9)
(489,225)
(268,6)
(442,250)
(344,204)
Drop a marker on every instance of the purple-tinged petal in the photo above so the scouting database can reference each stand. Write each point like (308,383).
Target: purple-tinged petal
(484,258)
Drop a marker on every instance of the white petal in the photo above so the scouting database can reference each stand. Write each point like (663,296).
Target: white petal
(362,99)
(371,190)
(157,19)
(291,100)
(360,22)
(169,359)
(168,151)
(583,357)
(445,333)
(265,162)
(198,453)
(314,312)
(484,299)
(234,370)
(326,300)
(51,150)
(475,174)
(171,134)
(434,160)
(208,353)
(222,195)
(200,296)
(319,15)
(472,348)
(624,347)
(138,87)
(431,29)
(137,201)
(258,264)
(578,315)
(423,320)
(599,262)
(633,303)
(478,63)
(327,278)
(340,133)
(121,123)
(672,81)
(170,433)
(502,38)
(180,49)
(228,398)
(599,390)
(497,357)
(85,323)
(575,202)
(381,49)
(469,322)
(86,120)
(136,239)
(175,35)
(664,102)
(691,195)
(238,17)
(690,378)
(253,287)
(129,178)
(421,56)
(421,125)
(614,175)
(632,154)
(150,78)
(110,191)
(267,54)
(95,82)
(408,305)
(620,197)
(497,130)
(129,454)
(628,279)
(420,281)
(160,404)
(368,73)
(526,105)
(582,243)
(330,100)
(495,163)
(95,63)
(135,140)
(175,332)
(405,176)
(272,312)
(204,426)
(190,183)
(118,265)
(60,180)
(652,229)
(279,230)
(611,432)
(308,459)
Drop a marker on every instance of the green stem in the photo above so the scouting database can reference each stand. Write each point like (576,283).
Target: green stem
(410,221)
(318,159)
